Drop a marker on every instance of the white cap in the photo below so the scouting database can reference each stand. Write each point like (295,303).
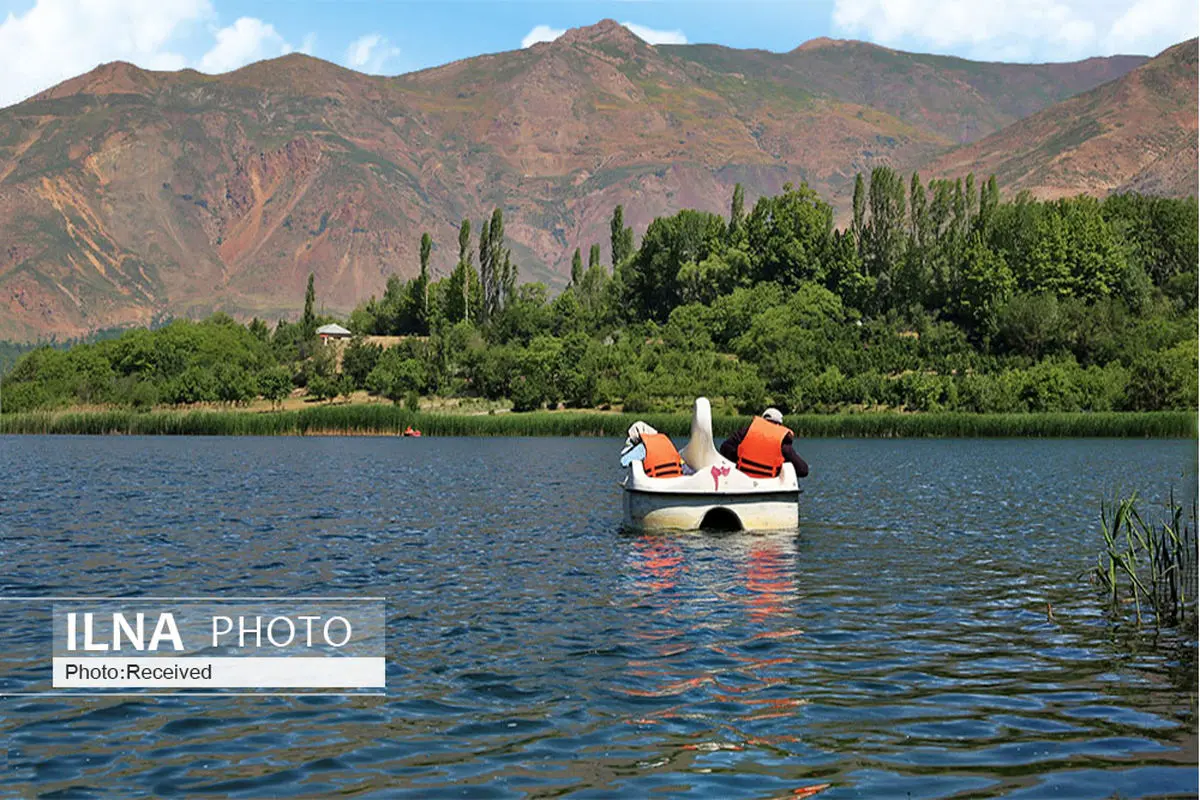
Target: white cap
(773,415)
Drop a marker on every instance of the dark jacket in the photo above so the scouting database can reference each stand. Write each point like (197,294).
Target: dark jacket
(729,449)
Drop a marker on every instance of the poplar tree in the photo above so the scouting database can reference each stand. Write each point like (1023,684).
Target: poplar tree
(485,265)
(308,322)
(860,200)
(464,264)
(621,237)
(737,214)
(576,268)
(426,249)
(884,234)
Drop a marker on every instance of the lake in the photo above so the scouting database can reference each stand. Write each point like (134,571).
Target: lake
(898,645)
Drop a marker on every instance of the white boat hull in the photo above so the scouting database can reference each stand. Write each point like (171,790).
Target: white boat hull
(660,511)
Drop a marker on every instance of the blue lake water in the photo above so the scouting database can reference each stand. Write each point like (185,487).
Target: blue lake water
(898,645)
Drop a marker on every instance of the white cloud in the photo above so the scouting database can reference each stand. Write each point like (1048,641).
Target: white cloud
(59,39)
(1149,26)
(541,33)
(544,33)
(369,53)
(249,39)
(1025,30)
(652,36)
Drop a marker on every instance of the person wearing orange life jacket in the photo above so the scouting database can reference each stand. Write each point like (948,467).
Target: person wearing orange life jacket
(662,460)
(760,448)
(655,450)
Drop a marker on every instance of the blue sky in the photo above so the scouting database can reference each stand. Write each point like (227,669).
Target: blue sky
(43,42)
(428,34)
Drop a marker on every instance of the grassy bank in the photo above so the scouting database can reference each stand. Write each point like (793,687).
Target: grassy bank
(387,419)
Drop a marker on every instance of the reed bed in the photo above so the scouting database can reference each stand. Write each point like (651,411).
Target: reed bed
(1150,566)
(381,419)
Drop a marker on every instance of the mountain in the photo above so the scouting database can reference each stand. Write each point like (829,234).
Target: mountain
(127,195)
(1136,133)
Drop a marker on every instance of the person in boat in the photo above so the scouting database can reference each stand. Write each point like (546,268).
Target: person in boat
(760,448)
(655,450)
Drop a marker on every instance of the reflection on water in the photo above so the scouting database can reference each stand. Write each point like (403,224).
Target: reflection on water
(897,646)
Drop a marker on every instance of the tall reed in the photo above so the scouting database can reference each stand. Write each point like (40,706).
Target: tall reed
(382,419)
(1151,565)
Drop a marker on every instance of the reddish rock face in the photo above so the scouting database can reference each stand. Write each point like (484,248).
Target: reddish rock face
(127,194)
(1137,133)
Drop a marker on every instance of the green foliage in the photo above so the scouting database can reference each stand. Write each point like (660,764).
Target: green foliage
(938,298)
(358,359)
(275,384)
(987,283)
(788,236)
(308,322)
(321,388)
(576,268)
(345,386)
(621,238)
(395,375)
(651,277)
(1164,378)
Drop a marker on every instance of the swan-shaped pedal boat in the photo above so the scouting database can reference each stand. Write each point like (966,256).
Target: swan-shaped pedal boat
(712,493)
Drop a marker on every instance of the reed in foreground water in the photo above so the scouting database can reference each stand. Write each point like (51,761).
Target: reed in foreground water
(380,419)
(1149,565)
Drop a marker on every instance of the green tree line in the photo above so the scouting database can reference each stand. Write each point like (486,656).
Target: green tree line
(936,296)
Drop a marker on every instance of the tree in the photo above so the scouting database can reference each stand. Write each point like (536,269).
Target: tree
(858,222)
(987,283)
(497,273)
(789,235)
(259,329)
(234,384)
(322,388)
(919,232)
(884,235)
(621,237)
(464,264)
(737,214)
(989,199)
(1164,379)
(275,384)
(345,387)
(308,322)
(485,266)
(651,277)
(972,199)
(576,268)
(426,249)
(1030,324)
(913,283)
(359,358)
(594,256)
(395,376)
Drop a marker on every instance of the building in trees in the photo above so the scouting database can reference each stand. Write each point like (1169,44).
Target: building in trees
(333,331)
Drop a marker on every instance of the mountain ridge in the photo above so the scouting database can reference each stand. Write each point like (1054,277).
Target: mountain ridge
(127,194)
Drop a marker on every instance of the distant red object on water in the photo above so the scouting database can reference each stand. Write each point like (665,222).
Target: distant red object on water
(410,431)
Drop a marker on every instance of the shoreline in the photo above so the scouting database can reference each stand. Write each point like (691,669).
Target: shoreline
(386,420)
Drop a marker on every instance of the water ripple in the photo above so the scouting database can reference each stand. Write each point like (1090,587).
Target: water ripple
(899,645)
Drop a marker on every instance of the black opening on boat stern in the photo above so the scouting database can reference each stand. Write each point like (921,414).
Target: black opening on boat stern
(721,519)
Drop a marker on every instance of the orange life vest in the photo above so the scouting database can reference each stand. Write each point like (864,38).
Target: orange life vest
(760,454)
(662,459)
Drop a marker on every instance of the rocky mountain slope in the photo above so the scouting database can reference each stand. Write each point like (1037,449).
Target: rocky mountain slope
(126,195)
(1137,133)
